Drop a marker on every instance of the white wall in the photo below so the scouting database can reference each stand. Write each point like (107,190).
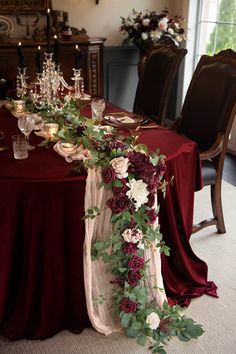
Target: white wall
(103,20)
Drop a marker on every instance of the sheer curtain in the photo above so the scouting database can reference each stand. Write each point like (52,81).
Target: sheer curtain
(206,22)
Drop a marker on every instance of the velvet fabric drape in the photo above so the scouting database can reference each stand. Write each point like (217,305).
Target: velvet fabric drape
(42,234)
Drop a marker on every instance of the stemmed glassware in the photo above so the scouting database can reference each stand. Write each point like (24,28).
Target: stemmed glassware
(97,107)
(26,125)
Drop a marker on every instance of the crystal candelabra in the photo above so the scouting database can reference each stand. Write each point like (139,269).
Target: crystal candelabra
(50,90)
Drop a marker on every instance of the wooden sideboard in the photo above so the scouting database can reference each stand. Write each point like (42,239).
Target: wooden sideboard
(92,62)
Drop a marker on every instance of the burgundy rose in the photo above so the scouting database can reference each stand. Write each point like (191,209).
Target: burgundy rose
(151,181)
(136,263)
(122,189)
(152,215)
(108,174)
(130,248)
(141,164)
(115,144)
(118,203)
(134,277)
(164,325)
(128,305)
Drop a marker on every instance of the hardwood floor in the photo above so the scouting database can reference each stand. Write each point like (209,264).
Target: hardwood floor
(229,173)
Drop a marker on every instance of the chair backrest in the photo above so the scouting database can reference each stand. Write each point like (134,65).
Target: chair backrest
(155,83)
(210,99)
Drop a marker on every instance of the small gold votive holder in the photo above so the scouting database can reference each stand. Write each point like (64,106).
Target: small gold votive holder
(51,129)
(19,106)
(68,147)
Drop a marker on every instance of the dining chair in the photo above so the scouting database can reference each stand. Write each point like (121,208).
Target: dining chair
(156,79)
(207,116)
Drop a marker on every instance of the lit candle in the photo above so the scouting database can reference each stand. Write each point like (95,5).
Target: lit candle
(78,57)
(48,31)
(52,129)
(38,60)
(56,49)
(21,56)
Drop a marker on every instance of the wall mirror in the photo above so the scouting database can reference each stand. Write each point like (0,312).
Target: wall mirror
(9,6)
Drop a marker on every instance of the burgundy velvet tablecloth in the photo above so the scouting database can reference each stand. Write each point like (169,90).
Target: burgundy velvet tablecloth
(41,235)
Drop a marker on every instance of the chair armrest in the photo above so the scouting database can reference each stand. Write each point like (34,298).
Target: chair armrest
(214,150)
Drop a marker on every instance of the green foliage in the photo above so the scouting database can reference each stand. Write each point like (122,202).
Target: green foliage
(223,34)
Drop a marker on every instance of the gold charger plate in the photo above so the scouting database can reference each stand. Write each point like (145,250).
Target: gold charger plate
(124,120)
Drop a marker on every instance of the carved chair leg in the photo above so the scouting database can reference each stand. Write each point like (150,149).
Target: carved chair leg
(217,207)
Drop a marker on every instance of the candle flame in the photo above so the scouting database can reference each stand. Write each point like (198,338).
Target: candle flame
(19,44)
(39,47)
(76,47)
(55,36)
(48,11)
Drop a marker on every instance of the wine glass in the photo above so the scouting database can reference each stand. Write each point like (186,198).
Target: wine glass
(97,107)
(26,125)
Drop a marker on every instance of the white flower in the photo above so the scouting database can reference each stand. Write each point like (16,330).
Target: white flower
(120,166)
(136,25)
(171,31)
(144,36)
(178,39)
(138,192)
(132,235)
(155,35)
(153,320)
(163,24)
(145,22)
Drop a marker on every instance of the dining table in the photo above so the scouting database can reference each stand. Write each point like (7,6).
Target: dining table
(42,232)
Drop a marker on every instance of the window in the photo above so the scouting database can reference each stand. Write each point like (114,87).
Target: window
(216,27)
(212,27)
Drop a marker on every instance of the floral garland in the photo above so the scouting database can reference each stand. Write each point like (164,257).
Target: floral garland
(152,26)
(134,175)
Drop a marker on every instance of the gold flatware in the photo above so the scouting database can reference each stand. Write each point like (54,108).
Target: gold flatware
(3,148)
(150,126)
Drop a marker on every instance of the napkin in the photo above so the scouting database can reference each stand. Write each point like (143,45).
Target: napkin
(125,119)
(79,153)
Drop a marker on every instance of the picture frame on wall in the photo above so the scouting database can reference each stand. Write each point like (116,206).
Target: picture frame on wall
(10,6)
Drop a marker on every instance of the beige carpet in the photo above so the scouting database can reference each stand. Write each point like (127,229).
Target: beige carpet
(218,316)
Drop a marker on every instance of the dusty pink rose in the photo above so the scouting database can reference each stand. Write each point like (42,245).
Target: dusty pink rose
(163,24)
(128,305)
(120,166)
(108,174)
(136,263)
(153,320)
(132,235)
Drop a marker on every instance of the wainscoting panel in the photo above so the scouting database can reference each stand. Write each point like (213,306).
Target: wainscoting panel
(120,75)
(121,79)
